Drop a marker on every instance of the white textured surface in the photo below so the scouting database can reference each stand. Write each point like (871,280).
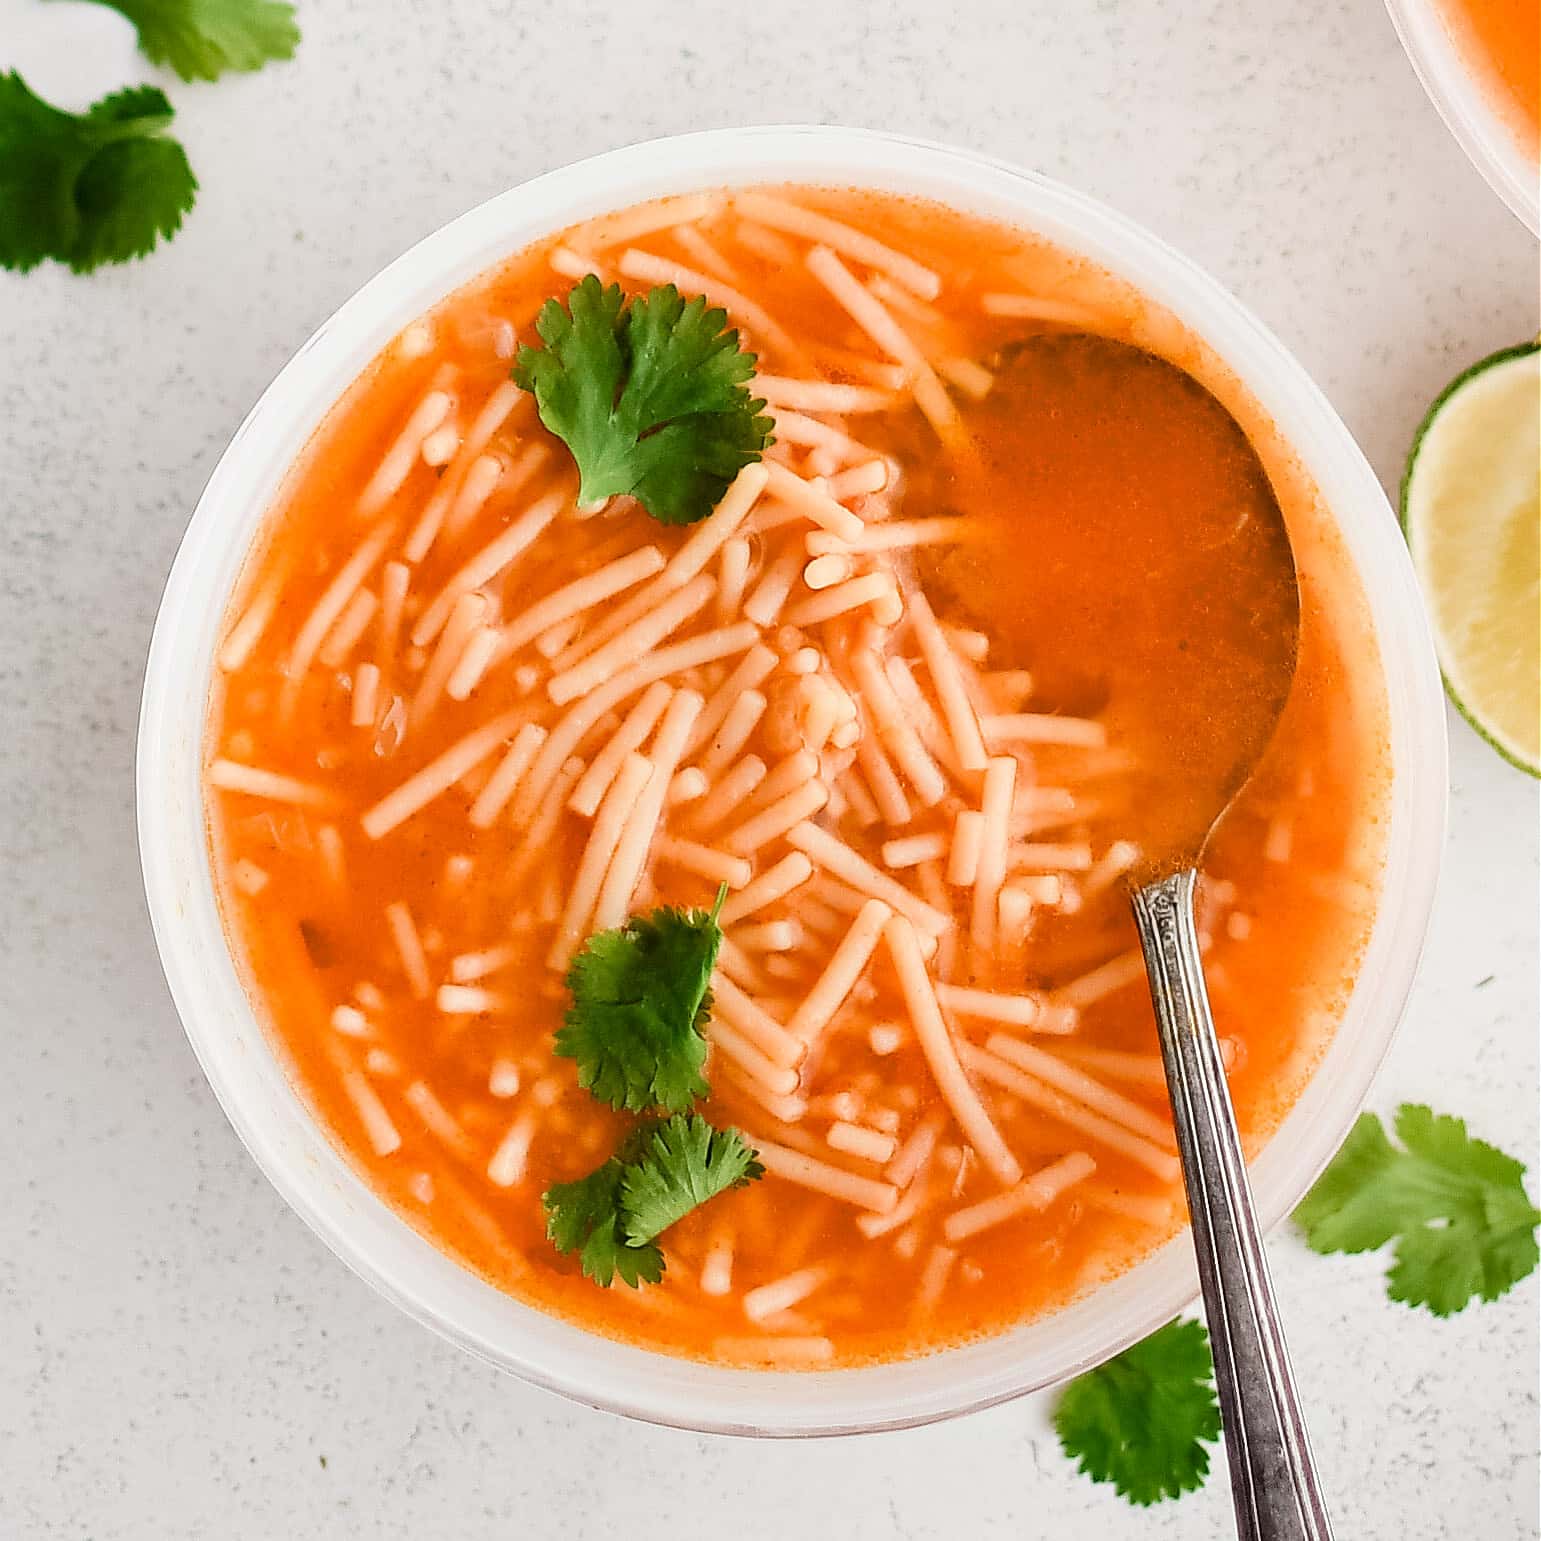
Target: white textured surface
(178,1356)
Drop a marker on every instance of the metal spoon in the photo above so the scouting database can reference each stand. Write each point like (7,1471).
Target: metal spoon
(1069,406)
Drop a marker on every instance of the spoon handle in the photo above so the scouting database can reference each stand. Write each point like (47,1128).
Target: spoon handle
(1273,1477)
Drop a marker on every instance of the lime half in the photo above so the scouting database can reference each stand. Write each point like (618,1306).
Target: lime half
(1471,511)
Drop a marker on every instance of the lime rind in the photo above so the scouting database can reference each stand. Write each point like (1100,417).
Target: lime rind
(1484,727)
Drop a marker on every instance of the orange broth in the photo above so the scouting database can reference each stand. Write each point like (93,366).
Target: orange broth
(454,1107)
(1501,42)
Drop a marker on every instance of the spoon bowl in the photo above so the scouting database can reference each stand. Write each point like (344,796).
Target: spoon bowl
(1195,587)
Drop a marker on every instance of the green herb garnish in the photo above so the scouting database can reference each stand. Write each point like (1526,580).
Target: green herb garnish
(613,1217)
(584,1216)
(1455,1206)
(202,39)
(650,395)
(640,997)
(1144,1420)
(87,188)
(685,1161)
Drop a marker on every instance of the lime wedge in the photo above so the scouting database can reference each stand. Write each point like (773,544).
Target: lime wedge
(1471,511)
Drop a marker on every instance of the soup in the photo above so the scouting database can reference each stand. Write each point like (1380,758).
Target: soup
(461,723)
(1501,43)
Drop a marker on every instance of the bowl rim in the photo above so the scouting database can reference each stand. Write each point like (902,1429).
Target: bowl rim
(1453,83)
(242,1065)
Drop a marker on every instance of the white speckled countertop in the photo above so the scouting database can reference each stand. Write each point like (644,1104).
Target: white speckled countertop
(179,1357)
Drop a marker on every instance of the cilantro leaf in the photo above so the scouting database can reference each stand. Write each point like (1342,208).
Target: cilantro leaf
(585,1217)
(650,396)
(202,39)
(1455,1207)
(613,1217)
(684,1162)
(640,997)
(87,188)
(1144,1420)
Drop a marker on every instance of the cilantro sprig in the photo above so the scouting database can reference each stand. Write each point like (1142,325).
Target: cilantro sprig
(684,1162)
(87,188)
(1456,1208)
(584,1216)
(640,997)
(107,184)
(613,1217)
(650,395)
(202,39)
(1145,1420)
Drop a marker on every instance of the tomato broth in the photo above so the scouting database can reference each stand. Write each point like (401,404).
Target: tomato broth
(1501,43)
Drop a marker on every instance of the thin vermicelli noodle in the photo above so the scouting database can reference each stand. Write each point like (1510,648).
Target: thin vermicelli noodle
(459,723)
